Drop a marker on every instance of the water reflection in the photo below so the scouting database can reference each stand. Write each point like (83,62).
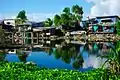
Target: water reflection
(2,55)
(61,54)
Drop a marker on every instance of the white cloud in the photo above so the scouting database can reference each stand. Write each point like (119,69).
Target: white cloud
(30,16)
(104,7)
(93,61)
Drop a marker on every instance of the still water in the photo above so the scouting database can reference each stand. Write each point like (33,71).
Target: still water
(71,55)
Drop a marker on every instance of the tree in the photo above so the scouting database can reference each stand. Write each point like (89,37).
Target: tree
(66,10)
(69,20)
(2,35)
(48,22)
(118,27)
(57,20)
(78,11)
(22,15)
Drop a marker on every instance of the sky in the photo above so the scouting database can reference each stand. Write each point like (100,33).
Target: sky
(38,10)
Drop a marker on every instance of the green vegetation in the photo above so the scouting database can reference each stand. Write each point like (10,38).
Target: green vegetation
(114,59)
(2,35)
(118,27)
(69,17)
(21,17)
(48,22)
(20,71)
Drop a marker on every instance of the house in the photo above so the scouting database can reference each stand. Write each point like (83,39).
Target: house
(103,25)
(8,24)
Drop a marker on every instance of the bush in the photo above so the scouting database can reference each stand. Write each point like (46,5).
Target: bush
(21,71)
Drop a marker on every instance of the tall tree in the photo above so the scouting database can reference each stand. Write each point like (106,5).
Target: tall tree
(69,20)
(57,20)
(22,15)
(78,11)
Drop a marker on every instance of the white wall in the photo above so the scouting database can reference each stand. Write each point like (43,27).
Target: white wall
(11,21)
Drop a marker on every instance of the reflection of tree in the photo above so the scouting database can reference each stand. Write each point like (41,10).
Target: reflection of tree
(22,56)
(50,51)
(78,63)
(57,53)
(68,53)
(2,55)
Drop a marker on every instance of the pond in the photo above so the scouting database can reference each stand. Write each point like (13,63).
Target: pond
(73,55)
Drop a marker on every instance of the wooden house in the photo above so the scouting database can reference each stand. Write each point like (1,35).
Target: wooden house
(103,25)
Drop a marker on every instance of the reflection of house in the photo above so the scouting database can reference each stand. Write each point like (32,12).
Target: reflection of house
(104,24)
(102,48)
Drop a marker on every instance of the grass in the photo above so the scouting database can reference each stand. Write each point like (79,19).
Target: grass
(21,71)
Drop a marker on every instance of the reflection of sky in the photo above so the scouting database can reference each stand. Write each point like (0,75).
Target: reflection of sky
(12,58)
(91,60)
(42,59)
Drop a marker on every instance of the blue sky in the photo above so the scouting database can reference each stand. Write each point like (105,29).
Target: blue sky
(41,6)
(41,9)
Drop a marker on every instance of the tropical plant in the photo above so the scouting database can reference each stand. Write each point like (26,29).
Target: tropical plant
(66,10)
(69,19)
(78,11)
(114,60)
(21,17)
(118,27)
(15,71)
(57,20)
(48,22)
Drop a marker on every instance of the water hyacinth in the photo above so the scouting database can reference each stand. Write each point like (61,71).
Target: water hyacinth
(21,71)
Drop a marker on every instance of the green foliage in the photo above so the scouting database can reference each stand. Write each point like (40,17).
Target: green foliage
(20,71)
(48,22)
(57,20)
(2,55)
(118,27)
(69,18)
(18,21)
(66,10)
(65,19)
(22,16)
(77,9)
(2,35)
(114,59)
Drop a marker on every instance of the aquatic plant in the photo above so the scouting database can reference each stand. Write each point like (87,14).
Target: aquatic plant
(21,71)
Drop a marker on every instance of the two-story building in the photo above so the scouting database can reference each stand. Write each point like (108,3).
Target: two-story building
(103,25)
